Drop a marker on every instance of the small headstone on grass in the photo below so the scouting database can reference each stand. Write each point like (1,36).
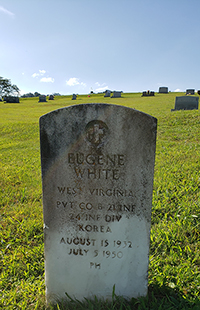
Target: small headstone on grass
(148,93)
(144,94)
(198,92)
(73,97)
(186,103)
(107,93)
(163,90)
(190,91)
(11,99)
(42,98)
(97,174)
(51,97)
(116,94)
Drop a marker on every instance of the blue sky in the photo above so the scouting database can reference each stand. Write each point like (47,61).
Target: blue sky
(75,46)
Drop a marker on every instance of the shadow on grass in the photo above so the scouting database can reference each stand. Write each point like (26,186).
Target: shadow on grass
(158,298)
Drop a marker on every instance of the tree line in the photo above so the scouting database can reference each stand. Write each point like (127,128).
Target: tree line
(7,88)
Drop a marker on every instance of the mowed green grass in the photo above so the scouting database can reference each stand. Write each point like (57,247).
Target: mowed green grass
(174,269)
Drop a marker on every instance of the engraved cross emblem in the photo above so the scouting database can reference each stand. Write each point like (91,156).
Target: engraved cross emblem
(96,132)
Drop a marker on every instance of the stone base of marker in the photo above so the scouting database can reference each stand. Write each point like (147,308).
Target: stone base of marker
(163,90)
(186,103)
(97,174)
(11,99)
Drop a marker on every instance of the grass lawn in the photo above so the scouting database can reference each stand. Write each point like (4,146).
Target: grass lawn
(174,268)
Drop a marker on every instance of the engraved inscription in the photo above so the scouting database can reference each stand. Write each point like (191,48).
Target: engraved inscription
(111,192)
(95,265)
(100,245)
(94,159)
(94,166)
(94,216)
(94,228)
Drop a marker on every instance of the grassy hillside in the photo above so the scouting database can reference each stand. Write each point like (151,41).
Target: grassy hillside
(174,270)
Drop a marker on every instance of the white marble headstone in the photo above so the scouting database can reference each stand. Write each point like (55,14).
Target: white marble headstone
(97,173)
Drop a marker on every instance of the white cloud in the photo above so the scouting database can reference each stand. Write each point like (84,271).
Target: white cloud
(101,89)
(47,80)
(83,84)
(100,85)
(43,79)
(41,73)
(2,9)
(73,81)
(178,90)
(35,74)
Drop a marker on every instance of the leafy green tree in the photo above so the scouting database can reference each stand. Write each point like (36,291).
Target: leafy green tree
(36,94)
(7,88)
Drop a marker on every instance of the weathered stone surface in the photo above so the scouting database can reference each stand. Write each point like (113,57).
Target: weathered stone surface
(116,94)
(190,91)
(11,99)
(51,97)
(42,98)
(186,103)
(148,93)
(107,93)
(163,90)
(97,172)
(144,93)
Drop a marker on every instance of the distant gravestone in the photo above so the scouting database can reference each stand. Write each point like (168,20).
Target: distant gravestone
(186,103)
(97,174)
(42,98)
(148,93)
(116,94)
(51,97)
(73,97)
(198,92)
(163,90)
(190,91)
(107,93)
(11,99)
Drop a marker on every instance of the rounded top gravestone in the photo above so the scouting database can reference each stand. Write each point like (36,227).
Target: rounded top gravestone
(97,174)
(163,90)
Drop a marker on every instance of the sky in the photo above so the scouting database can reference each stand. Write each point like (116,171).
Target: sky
(79,46)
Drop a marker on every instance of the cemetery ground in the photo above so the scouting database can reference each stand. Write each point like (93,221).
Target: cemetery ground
(174,267)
